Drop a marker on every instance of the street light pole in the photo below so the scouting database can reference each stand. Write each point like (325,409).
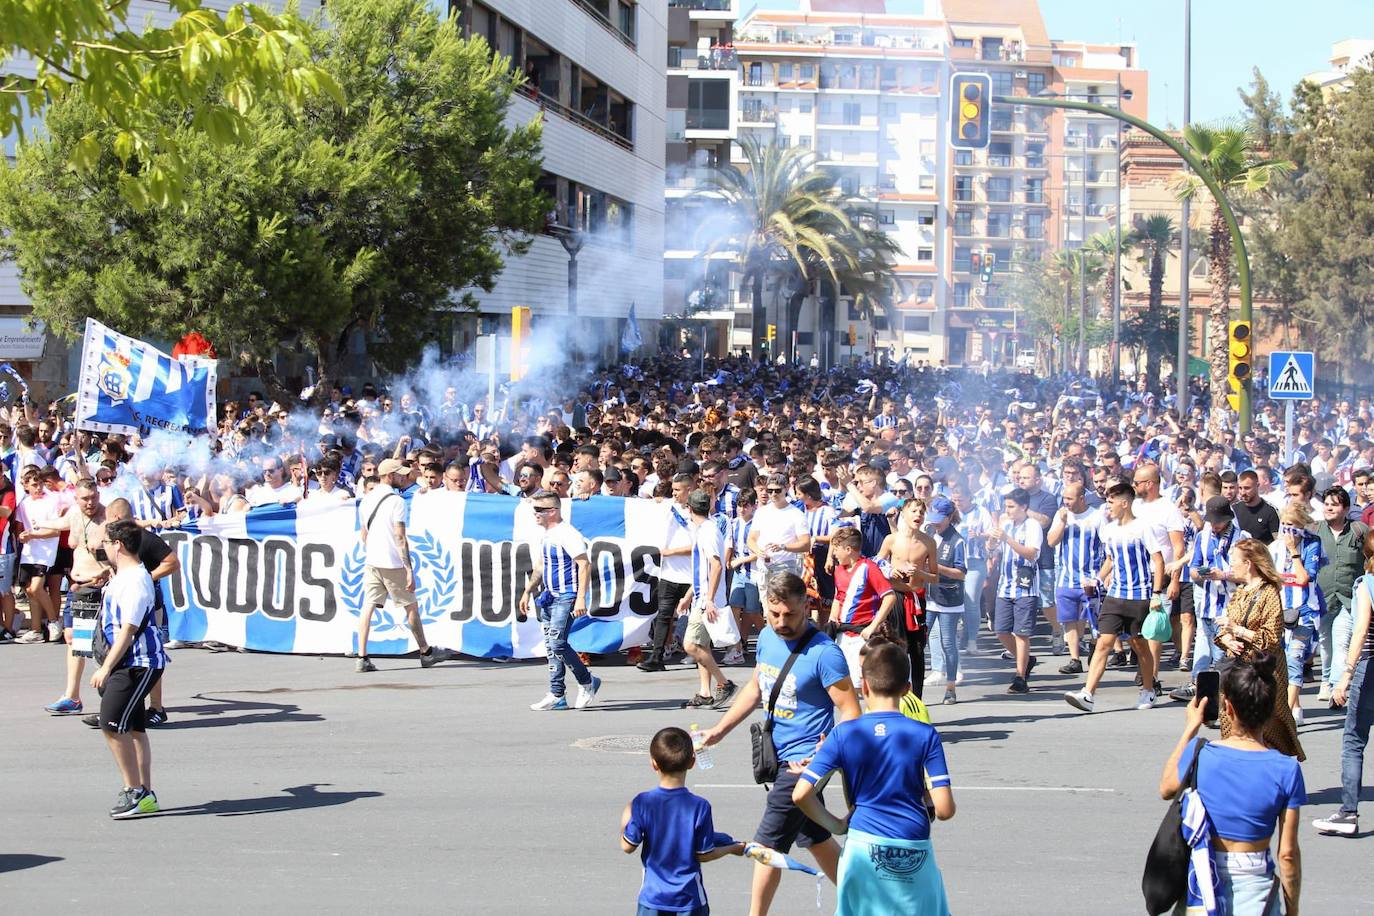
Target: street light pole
(1083,266)
(1185,257)
(1116,287)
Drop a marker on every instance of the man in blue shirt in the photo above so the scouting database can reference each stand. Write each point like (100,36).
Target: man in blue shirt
(816,692)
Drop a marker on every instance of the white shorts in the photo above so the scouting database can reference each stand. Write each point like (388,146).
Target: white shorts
(851,644)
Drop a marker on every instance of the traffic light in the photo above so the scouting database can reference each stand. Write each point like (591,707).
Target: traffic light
(772,332)
(519,333)
(1241,352)
(853,336)
(975,261)
(988,263)
(970,95)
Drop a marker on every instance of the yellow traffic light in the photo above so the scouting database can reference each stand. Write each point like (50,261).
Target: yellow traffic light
(772,332)
(853,336)
(970,95)
(519,331)
(1240,353)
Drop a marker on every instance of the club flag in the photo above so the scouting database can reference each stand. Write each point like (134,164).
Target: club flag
(129,386)
(774,859)
(630,338)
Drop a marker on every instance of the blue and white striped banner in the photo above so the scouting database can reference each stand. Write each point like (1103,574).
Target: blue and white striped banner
(128,386)
(289,578)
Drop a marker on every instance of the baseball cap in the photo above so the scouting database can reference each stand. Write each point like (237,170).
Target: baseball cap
(611,474)
(699,502)
(940,509)
(1219,510)
(392,466)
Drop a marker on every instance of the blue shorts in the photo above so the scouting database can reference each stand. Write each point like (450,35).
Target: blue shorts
(1072,604)
(1297,646)
(745,596)
(1015,615)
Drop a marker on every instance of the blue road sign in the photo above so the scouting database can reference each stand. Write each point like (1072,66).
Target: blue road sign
(1292,374)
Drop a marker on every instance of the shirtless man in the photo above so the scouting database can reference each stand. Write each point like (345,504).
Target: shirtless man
(912,554)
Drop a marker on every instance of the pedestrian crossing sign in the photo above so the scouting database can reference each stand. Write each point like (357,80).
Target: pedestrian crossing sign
(1291,375)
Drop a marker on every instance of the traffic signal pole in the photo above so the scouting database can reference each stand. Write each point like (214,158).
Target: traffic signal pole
(1224,205)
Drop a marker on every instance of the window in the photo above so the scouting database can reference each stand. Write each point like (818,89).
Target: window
(827,106)
(1035,155)
(786,73)
(889,109)
(804,141)
(1035,190)
(925,255)
(999,118)
(889,77)
(925,218)
(919,324)
(851,114)
(963,42)
(963,222)
(963,259)
(1035,83)
(963,187)
(961,291)
(999,190)
(1035,225)
(808,73)
(924,290)
(1001,82)
(887,217)
(992,49)
(1002,264)
(999,224)
(926,183)
(708,103)
(887,181)
(805,106)
(999,155)
(785,103)
(929,74)
(963,157)
(928,149)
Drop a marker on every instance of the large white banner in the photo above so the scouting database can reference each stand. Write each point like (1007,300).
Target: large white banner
(289,578)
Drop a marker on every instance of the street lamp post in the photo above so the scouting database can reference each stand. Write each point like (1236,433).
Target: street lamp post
(1185,258)
(1116,287)
(1222,203)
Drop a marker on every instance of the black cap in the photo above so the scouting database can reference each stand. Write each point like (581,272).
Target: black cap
(699,502)
(1218,510)
(611,474)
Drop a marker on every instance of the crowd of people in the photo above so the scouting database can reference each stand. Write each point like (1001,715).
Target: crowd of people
(849,533)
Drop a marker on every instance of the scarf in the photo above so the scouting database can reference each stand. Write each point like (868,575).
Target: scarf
(1203,883)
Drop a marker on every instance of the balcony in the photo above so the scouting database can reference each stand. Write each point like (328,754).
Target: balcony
(720,59)
(758,114)
(708,119)
(704,6)
(599,10)
(695,178)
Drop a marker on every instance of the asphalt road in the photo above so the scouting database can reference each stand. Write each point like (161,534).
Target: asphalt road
(292,784)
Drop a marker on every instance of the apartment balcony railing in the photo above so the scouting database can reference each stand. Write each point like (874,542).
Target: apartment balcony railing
(606,23)
(718,6)
(758,114)
(606,131)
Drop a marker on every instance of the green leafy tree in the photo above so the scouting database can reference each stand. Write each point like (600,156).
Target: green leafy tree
(1156,236)
(329,220)
(217,67)
(1229,156)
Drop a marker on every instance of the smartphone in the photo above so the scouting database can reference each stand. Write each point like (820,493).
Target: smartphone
(1204,571)
(1209,688)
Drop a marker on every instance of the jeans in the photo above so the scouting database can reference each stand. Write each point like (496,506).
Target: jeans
(556,621)
(973,603)
(1205,653)
(1297,645)
(1359,715)
(1336,637)
(944,640)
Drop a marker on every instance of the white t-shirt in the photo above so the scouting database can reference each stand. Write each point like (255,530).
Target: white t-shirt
(263,495)
(677,534)
(775,527)
(380,550)
(39,512)
(708,544)
(1162,516)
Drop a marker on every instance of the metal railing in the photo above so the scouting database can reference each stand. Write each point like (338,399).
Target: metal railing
(717,6)
(583,121)
(604,22)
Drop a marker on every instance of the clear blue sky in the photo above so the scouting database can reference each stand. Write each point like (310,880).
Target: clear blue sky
(1286,40)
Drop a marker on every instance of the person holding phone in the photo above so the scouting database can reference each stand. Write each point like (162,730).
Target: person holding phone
(1210,571)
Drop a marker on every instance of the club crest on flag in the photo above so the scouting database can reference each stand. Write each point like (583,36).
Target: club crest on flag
(436,585)
(113,378)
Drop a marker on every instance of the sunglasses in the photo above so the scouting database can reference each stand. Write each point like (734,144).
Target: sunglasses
(540,510)
(776,490)
(104,480)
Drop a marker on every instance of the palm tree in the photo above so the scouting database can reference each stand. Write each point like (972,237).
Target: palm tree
(1156,235)
(784,217)
(1103,245)
(1228,156)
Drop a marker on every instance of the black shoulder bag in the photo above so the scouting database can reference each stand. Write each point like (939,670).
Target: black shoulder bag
(1165,881)
(761,733)
(100,646)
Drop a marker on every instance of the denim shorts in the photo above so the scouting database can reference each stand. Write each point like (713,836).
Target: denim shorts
(745,596)
(1297,646)
(6,573)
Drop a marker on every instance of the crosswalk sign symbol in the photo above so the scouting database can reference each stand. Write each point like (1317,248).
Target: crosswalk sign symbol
(1291,375)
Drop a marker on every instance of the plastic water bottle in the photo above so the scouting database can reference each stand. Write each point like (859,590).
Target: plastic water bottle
(705,759)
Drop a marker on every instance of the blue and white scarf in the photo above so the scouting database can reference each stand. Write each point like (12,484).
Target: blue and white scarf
(1203,884)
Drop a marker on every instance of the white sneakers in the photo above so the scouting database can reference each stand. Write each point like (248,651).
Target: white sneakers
(586,696)
(1146,701)
(1079,699)
(1297,715)
(935,679)
(549,702)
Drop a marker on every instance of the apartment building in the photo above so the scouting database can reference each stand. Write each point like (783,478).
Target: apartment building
(596,78)
(863,89)
(1347,56)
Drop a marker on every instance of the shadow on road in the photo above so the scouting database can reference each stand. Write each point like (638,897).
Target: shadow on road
(217,713)
(1332,796)
(296,798)
(18,861)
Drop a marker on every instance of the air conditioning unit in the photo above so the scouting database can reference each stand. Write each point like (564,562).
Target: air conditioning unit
(1020,74)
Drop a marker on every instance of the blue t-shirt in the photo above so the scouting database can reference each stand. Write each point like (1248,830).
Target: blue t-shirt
(671,826)
(885,758)
(1245,792)
(804,711)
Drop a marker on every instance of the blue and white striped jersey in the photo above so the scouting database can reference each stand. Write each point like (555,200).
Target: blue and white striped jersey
(562,545)
(1307,598)
(169,499)
(708,544)
(1129,548)
(1078,557)
(737,538)
(1010,585)
(727,500)
(974,525)
(1213,552)
(129,600)
(821,521)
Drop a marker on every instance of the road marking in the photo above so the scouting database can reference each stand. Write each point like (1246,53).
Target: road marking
(957,787)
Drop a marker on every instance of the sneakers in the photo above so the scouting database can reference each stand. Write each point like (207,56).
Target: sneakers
(1080,699)
(1057,646)
(1324,694)
(434,656)
(935,679)
(6,636)
(950,697)
(733,657)
(1146,700)
(1185,663)
(652,664)
(54,631)
(1018,685)
(156,717)
(1339,823)
(92,720)
(698,701)
(1183,694)
(724,694)
(174,644)
(586,696)
(549,703)
(365,665)
(64,707)
(134,803)
(30,637)
(1118,660)
(1030,664)
(1006,656)
(1075,666)
(959,678)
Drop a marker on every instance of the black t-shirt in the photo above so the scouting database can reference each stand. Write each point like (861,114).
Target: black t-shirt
(152,550)
(1261,522)
(1047,504)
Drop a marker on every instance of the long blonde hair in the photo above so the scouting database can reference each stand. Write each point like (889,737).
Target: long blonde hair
(1259,558)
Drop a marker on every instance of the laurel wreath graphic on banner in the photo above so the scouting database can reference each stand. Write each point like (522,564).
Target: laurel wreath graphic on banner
(436,586)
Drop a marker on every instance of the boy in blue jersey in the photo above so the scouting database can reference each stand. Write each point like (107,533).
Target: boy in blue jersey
(1134,579)
(888,864)
(132,665)
(672,829)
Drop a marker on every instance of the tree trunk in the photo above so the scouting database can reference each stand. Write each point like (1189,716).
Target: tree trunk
(759,320)
(274,386)
(1219,323)
(825,327)
(794,307)
(1154,353)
